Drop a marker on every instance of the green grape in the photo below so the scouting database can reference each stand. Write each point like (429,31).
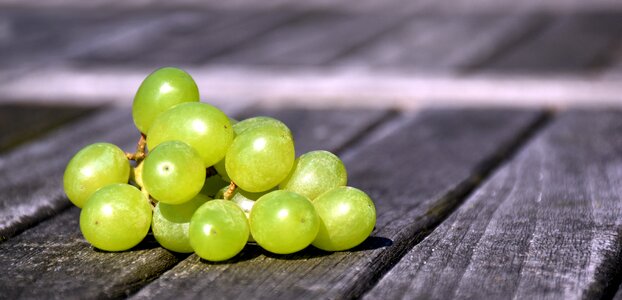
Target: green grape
(222,170)
(171,222)
(314,173)
(116,217)
(260,158)
(200,125)
(173,173)
(93,167)
(212,186)
(347,217)
(260,122)
(218,230)
(160,91)
(284,222)
(136,174)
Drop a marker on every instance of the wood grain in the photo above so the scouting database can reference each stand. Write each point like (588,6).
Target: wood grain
(546,226)
(317,38)
(53,260)
(416,174)
(31,175)
(185,37)
(570,43)
(443,42)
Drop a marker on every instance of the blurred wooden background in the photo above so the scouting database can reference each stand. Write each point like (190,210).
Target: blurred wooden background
(397,53)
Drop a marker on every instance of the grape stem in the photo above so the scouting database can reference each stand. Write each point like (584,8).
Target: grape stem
(227,195)
(139,155)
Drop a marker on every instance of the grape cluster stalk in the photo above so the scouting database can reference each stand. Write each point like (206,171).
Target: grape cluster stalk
(205,183)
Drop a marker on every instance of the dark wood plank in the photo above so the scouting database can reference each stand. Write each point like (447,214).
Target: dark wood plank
(443,42)
(416,175)
(571,43)
(318,38)
(546,225)
(31,175)
(26,30)
(52,259)
(188,37)
(19,123)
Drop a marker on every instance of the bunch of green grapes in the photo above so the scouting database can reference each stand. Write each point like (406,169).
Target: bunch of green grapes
(205,183)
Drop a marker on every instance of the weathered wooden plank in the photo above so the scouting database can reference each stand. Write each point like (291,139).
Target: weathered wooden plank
(318,38)
(416,174)
(546,225)
(31,175)
(235,30)
(443,42)
(571,43)
(189,37)
(24,31)
(20,123)
(53,260)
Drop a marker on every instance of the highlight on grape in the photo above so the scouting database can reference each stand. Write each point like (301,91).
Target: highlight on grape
(203,182)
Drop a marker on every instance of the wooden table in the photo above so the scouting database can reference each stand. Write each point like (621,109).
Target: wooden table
(472,203)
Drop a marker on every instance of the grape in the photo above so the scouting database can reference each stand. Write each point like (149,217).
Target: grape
(93,167)
(347,217)
(284,222)
(260,122)
(116,217)
(171,222)
(200,125)
(242,198)
(161,90)
(136,174)
(173,173)
(315,173)
(222,170)
(212,186)
(218,230)
(260,158)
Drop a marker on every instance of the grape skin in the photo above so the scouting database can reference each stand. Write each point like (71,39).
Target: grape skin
(314,173)
(284,222)
(116,217)
(173,173)
(93,167)
(200,125)
(218,230)
(171,223)
(260,122)
(260,158)
(160,91)
(347,217)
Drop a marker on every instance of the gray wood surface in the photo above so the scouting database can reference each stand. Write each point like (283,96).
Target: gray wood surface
(31,175)
(570,43)
(443,42)
(315,39)
(189,37)
(416,174)
(546,225)
(53,260)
